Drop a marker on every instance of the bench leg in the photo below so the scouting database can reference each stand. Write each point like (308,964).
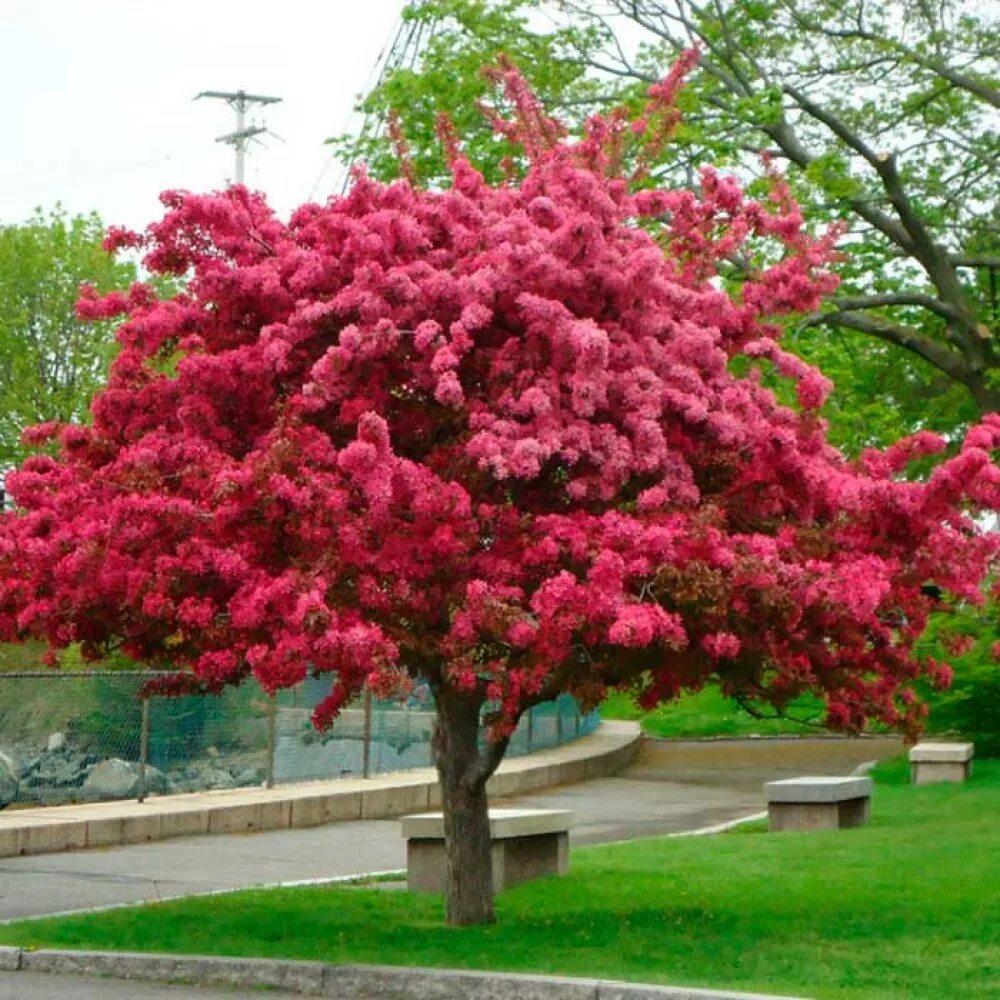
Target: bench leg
(425,866)
(930,772)
(817,815)
(526,858)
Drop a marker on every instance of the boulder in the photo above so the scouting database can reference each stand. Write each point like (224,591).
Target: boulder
(215,778)
(62,769)
(8,780)
(56,742)
(119,779)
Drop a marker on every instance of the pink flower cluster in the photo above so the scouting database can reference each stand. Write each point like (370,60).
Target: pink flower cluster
(489,436)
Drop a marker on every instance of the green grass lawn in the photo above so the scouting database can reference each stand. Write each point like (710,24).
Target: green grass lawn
(709,713)
(907,907)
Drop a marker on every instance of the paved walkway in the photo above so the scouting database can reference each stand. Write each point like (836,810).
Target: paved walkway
(52,830)
(671,787)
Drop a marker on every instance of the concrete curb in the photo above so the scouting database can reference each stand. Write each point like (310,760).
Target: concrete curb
(301,883)
(60,828)
(348,982)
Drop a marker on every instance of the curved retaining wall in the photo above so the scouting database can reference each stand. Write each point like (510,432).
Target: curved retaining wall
(608,749)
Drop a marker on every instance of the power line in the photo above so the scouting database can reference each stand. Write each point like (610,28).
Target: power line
(240,101)
(403,52)
(407,40)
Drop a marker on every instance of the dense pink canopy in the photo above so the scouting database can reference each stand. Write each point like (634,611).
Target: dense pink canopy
(493,436)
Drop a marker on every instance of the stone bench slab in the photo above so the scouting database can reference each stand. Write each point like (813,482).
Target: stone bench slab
(818,789)
(931,763)
(817,803)
(504,823)
(941,753)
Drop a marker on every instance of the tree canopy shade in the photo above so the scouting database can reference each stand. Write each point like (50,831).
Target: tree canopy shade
(51,363)
(884,115)
(490,437)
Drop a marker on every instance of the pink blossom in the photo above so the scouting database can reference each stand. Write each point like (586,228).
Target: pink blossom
(491,434)
(721,645)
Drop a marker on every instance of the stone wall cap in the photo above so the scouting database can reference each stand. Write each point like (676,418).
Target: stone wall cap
(818,789)
(941,753)
(504,823)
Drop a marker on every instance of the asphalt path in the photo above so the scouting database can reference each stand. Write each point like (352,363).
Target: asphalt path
(672,787)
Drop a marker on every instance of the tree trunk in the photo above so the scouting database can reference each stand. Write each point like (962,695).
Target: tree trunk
(987,398)
(463,776)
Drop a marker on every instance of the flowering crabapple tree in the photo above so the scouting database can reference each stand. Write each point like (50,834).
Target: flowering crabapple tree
(511,440)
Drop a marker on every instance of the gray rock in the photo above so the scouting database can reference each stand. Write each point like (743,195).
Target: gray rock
(62,769)
(29,764)
(119,779)
(215,778)
(249,776)
(57,741)
(8,780)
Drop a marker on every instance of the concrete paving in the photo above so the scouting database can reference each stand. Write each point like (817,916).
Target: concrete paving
(44,986)
(52,830)
(671,787)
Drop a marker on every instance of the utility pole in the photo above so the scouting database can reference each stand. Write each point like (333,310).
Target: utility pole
(240,101)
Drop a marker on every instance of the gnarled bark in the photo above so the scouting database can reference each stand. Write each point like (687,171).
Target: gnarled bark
(463,772)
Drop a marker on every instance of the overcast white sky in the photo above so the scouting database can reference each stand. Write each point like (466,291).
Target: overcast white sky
(97,109)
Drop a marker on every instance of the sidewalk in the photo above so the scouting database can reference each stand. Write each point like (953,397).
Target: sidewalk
(104,824)
(718,783)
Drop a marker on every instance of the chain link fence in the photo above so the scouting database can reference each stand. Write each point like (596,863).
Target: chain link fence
(88,736)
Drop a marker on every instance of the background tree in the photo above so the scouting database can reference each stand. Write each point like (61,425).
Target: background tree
(51,362)
(883,115)
(507,439)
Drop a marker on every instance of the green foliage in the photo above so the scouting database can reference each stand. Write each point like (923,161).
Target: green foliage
(476,33)
(774,75)
(906,907)
(709,713)
(51,363)
(894,771)
(879,392)
(970,708)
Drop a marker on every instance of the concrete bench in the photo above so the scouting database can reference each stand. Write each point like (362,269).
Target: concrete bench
(526,844)
(931,762)
(817,803)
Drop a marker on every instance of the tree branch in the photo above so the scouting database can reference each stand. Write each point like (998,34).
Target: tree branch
(488,761)
(975,260)
(945,360)
(978,87)
(851,302)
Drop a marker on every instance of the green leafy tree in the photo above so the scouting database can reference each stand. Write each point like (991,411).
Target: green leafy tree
(883,116)
(51,362)
(968,638)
